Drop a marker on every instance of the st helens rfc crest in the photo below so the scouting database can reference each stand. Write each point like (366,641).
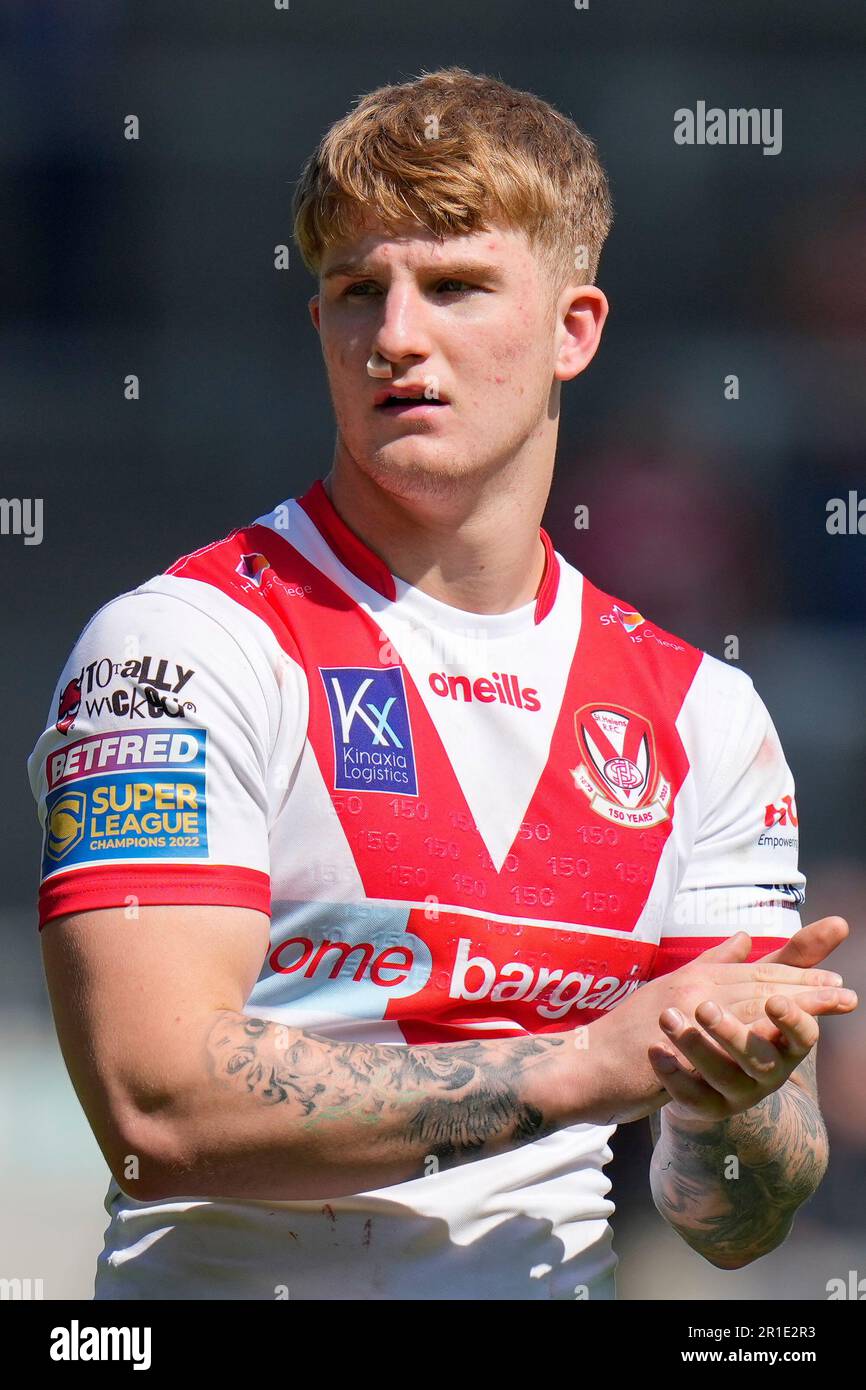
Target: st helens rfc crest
(619,770)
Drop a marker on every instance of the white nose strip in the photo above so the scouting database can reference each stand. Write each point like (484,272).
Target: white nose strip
(377,366)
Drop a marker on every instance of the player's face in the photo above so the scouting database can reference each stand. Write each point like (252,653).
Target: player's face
(471,321)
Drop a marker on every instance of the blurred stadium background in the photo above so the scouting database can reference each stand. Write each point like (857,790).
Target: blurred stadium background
(708,515)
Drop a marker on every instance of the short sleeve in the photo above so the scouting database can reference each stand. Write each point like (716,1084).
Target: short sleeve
(743,872)
(150,777)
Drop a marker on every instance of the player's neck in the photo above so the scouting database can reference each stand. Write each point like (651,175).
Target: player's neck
(484,556)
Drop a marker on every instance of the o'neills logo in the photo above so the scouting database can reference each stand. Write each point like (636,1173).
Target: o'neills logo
(620,772)
(488,689)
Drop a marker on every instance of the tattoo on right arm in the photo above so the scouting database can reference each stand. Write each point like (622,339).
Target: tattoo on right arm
(458,1101)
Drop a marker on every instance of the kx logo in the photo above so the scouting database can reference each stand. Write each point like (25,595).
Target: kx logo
(373,749)
(355,710)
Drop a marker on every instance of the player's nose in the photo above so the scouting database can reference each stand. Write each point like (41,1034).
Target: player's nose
(403,329)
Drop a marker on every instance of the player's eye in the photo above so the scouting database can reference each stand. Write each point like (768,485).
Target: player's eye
(359,285)
(448,286)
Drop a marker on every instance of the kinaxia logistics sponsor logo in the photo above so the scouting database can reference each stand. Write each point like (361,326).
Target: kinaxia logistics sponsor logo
(373,748)
(398,966)
(158,684)
(126,796)
(619,772)
(500,686)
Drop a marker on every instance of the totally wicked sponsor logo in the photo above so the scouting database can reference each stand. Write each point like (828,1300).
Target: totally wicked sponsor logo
(373,748)
(168,677)
(68,706)
(157,681)
(501,686)
(619,772)
(139,704)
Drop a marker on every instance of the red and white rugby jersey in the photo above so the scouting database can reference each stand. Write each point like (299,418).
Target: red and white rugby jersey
(462,825)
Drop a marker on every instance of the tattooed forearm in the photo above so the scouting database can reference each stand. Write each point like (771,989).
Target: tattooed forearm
(452,1101)
(733,1212)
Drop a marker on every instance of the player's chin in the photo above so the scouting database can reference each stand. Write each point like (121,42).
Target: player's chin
(420,453)
(417,472)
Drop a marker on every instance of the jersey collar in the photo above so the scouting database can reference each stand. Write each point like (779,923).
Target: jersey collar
(371,569)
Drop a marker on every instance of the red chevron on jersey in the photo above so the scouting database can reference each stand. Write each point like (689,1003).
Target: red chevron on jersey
(558,812)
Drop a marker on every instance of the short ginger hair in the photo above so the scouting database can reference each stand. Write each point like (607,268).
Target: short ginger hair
(454,151)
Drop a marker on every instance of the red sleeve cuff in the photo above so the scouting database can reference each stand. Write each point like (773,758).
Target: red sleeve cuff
(679,950)
(113,885)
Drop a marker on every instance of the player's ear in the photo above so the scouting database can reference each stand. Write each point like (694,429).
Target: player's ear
(581,314)
(313,306)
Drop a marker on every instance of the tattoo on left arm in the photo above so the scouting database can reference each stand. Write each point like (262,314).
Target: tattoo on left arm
(781,1150)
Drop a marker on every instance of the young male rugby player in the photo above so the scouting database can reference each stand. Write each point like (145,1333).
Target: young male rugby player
(364,824)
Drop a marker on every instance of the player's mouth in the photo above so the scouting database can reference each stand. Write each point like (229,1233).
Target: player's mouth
(407,401)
